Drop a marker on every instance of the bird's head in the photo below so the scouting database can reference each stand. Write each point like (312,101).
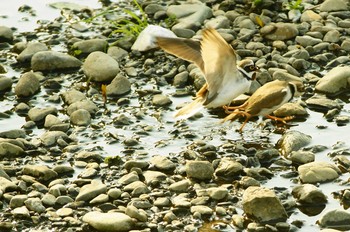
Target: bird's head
(247,68)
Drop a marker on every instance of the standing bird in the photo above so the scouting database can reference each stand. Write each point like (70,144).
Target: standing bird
(265,100)
(225,78)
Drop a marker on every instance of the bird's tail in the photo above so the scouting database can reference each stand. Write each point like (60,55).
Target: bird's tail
(189,109)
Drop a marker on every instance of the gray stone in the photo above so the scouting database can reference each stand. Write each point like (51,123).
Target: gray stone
(71,96)
(310,16)
(90,45)
(88,173)
(52,60)
(161,100)
(114,193)
(218,22)
(109,222)
(337,218)
(58,190)
(128,178)
(318,171)
(134,212)
(64,212)
(51,120)
(279,31)
(80,117)
(162,202)
(163,163)
(86,104)
(301,157)
(7,185)
(285,76)
(135,164)
(18,201)
(117,53)
(38,114)
(5,83)
(35,204)
(262,205)
(181,79)
(291,108)
(309,194)
(332,36)
(202,209)
(31,48)
(100,67)
(90,191)
(63,200)
(21,212)
(202,170)
(50,138)
(13,134)
(120,85)
(321,102)
(100,199)
(10,150)
(228,168)
(28,84)
(181,186)
(334,5)
(134,185)
(345,45)
(217,193)
(335,81)
(307,40)
(153,176)
(153,8)
(41,172)
(6,34)
(293,141)
(181,200)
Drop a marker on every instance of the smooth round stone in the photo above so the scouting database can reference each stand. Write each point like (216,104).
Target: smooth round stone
(5,83)
(202,170)
(64,212)
(90,45)
(161,100)
(335,81)
(318,172)
(309,194)
(109,222)
(180,186)
(136,213)
(337,218)
(52,60)
(293,141)
(163,163)
(202,209)
(31,48)
(80,117)
(120,85)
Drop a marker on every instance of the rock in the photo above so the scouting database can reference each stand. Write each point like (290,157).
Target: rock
(279,31)
(34,204)
(7,185)
(290,108)
(181,186)
(161,100)
(335,81)
(21,212)
(10,151)
(28,84)
(285,76)
(100,199)
(337,218)
(262,205)
(31,48)
(301,157)
(322,103)
(52,60)
(134,212)
(309,194)
(332,36)
(128,178)
(80,117)
(181,200)
(163,163)
(201,170)
(41,172)
(334,5)
(13,134)
(147,38)
(202,209)
(100,67)
(293,141)
(18,201)
(71,96)
(228,168)
(90,191)
(307,40)
(5,83)
(50,138)
(6,34)
(180,79)
(109,222)
(189,16)
(84,104)
(217,193)
(218,22)
(120,85)
(64,212)
(318,171)
(89,46)
(51,120)
(38,114)
(135,164)
(153,176)
(309,16)
(117,53)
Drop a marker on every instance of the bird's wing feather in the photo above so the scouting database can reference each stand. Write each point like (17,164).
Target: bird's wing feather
(219,60)
(186,49)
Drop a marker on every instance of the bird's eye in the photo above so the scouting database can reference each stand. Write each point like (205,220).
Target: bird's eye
(252,67)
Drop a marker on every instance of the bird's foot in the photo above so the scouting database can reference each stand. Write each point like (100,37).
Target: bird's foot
(283,120)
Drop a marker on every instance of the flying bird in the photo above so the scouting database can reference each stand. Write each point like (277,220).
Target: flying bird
(225,78)
(265,100)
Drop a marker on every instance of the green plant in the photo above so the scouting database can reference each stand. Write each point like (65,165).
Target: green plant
(295,5)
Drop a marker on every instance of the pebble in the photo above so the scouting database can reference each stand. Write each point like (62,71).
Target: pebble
(201,170)
(41,172)
(109,222)
(21,212)
(228,168)
(335,81)
(89,46)
(31,48)
(5,83)
(181,186)
(161,100)
(52,60)
(6,34)
(34,204)
(162,163)
(39,114)
(318,172)
(262,204)
(120,85)
(90,191)
(309,194)
(301,157)
(50,138)
(100,67)
(27,85)
(64,212)
(337,218)
(333,5)
(293,141)
(80,117)
(289,109)
(279,31)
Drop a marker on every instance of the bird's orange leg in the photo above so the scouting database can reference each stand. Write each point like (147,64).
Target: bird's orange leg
(283,120)
(232,115)
(229,109)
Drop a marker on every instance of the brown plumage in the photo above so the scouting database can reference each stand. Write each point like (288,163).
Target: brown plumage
(265,100)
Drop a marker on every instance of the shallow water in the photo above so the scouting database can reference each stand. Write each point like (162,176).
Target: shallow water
(159,139)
